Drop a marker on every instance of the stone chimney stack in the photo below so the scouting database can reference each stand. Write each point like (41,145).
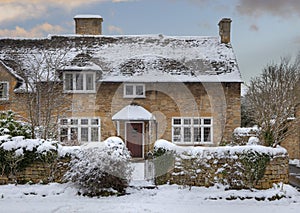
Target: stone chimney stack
(88,24)
(224,30)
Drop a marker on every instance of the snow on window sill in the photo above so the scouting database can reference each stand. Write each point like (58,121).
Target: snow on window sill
(80,91)
(192,143)
(134,96)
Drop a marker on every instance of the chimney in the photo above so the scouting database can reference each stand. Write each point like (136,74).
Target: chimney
(224,30)
(88,24)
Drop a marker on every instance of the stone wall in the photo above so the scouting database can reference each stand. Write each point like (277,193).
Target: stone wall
(234,168)
(39,173)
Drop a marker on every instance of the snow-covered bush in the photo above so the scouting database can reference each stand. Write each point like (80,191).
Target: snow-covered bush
(101,169)
(241,135)
(10,126)
(253,141)
(164,157)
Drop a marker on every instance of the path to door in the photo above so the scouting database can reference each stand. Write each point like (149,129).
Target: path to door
(294,176)
(143,173)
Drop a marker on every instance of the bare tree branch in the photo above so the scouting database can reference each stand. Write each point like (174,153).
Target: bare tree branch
(273,99)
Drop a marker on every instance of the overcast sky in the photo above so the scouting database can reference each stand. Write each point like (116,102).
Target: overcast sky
(262,30)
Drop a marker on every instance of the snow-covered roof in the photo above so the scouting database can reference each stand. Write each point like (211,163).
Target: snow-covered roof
(11,71)
(133,113)
(136,58)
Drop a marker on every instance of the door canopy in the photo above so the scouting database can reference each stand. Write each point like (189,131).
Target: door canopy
(133,113)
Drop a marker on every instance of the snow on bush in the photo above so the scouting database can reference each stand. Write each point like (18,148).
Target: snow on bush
(10,126)
(253,141)
(101,169)
(246,131)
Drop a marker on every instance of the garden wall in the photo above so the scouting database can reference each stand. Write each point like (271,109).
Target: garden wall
(38,172)
(237,167)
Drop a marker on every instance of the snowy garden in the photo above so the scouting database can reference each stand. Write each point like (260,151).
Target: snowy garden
(99,177)
(102,171)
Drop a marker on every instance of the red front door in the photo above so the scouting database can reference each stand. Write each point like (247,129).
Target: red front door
(134,139)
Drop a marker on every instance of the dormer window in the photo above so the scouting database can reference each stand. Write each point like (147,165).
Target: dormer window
(79,82)
(134,91)
(4,88)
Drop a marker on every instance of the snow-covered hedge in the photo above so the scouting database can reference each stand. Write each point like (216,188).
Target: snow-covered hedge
(101,169)
(234,166)
(17,153)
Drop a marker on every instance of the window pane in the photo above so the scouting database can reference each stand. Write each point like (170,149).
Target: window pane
(139,90)
(3,90)
(197,135)
(94,121)
(74,134)
(63,121)
(79,82)
(74,121)
(94,134)
(84,121)
(89,82)
(187,134)
(63,134)
(207,121)
(176,134)
(197,121)
(68,81)
(177,121)
(84,134)
(187,121)
(207,135)
(128,89)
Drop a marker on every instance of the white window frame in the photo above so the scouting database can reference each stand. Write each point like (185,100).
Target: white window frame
(79,125)
(134,95)
(6,96)
(84,77)
(192,125)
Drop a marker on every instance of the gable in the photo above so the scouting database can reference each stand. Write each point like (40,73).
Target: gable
(8,73)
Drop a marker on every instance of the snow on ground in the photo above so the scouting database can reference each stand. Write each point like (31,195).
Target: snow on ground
(295,162)
(167,198)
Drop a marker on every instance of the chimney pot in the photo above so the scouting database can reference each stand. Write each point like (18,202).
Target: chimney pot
(88,24)
(224,30)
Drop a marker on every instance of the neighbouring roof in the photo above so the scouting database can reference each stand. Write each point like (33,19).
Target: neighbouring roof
(133,113)
(141,58)
(11,71)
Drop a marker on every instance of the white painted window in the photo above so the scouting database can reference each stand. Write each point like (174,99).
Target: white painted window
(134,91)
(79,129)
(192,130)
(4,89)
(79,82)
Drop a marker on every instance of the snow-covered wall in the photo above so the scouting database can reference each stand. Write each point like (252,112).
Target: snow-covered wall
(237,167)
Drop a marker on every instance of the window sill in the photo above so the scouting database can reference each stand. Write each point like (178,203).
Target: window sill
(79,92)
(192,144)
(134,96)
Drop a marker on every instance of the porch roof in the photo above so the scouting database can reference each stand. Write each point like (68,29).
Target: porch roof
(133,113)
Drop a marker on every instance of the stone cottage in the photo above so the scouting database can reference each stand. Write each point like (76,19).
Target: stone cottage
(185,89)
